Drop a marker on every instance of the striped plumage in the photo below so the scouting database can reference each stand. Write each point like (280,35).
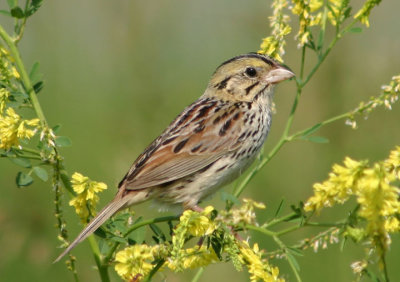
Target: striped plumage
(208,145)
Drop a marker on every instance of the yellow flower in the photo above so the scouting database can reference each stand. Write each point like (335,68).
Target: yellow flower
(338,188)
(193,258)
(243,214)
(392,164)
(86,198)
(13,128)
(378,200)
(274,45)
(4,94)
(192,223)
(305,9)
(7,69)
(258,267)
(133,263)
(363,14)
(375,193)
(337,11)
(199,224)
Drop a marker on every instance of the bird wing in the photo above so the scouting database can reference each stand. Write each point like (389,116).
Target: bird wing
(204,132)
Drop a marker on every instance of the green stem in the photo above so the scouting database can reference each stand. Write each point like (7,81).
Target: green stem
(300,85)
(322,58)
(22,157)
(22,26)
(198,274)
(61,223)
(288,230)
(282,140)
(325,122)
(289,258)
(103,269)
(318,224)
(154,270)
(24,76)
(107,258)
(28,150)
(260,230)
(303,58)
(279,220)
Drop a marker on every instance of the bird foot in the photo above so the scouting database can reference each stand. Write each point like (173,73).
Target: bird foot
(195,208)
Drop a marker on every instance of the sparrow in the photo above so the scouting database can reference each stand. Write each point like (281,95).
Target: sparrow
(208,145)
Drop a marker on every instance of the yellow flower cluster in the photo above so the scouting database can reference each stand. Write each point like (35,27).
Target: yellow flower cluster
(192,223)
(363,14)
(338,188)
(198,224)
(373,187)
(243,214)
(135,262)
(191,258)
(274,45)
(13,128)
(305,9)
(337,10)
(7,69)
(86,198)
(258,267)
(4,95)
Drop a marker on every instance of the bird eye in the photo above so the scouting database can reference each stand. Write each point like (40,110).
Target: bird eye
(251,72)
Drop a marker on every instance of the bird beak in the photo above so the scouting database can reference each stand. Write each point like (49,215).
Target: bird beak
(280,73)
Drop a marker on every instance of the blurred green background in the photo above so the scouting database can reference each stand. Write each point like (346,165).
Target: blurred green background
(117,72)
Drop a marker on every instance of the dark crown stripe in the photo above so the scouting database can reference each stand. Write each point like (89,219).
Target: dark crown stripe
(264,58)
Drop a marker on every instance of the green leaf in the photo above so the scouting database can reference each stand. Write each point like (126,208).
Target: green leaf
(26,163)
(66,180)
(36,2)
(317,139)
(157,231)
(355,30)
(17,12)
(56,128)
(118,239)
(320,41)
(321,35)
(33,7)
(4,12)
(291,258)
(34,74)
(101,233)
(347,13)
(38,86)
(23,179)
(279,209)
(12,3)
(312,129)
(139,234)
(225,196)
(295,251)
(41,173)
(20,95)
(63,141)
(217,243)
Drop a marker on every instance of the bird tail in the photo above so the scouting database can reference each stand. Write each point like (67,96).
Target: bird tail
(117,204)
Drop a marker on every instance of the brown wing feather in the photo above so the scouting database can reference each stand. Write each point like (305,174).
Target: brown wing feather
(187,145)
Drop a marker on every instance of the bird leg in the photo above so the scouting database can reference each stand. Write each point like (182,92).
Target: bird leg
(196,208)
